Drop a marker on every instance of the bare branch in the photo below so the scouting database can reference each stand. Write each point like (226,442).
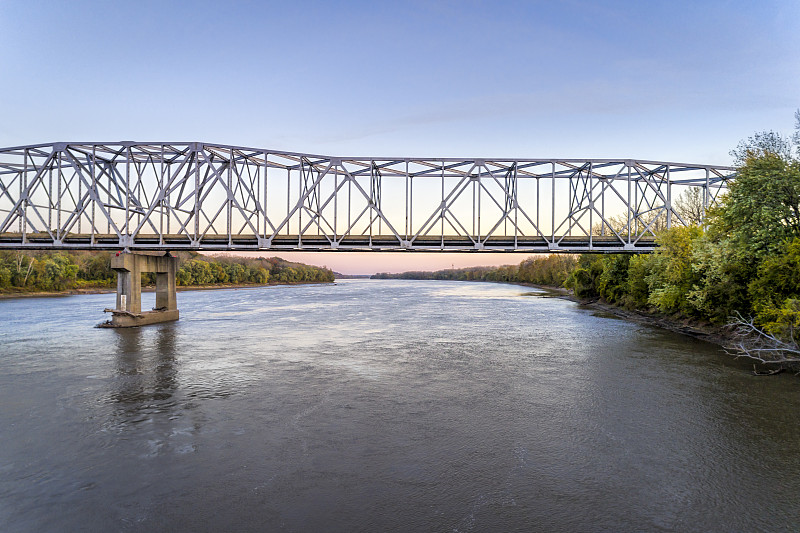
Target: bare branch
(755,343)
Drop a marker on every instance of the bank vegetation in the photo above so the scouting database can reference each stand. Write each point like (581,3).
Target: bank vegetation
(741,271)
(45,271)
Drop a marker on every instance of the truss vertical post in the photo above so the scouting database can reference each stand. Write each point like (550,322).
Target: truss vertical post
(195,155)
(371,198)
(266,197)
(410,205)
(58,198)
(603,207)
(553,198)
(669,200)
(336,206)
(349,202)
(162,195)
(591,206)
(628,206)
(300,183)
(407,209)
(95,196)
(480,171)
(288,196)
(516,207)
(51,204)
(441,207)
(126,231)
(23,208)
(636,205)
(538,208)
(474,209)
(79,205)
(572,199)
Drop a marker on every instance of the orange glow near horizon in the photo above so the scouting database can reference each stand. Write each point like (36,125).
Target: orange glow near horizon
(361,263)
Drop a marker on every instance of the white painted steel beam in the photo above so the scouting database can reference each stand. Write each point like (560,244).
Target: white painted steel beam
(202,196)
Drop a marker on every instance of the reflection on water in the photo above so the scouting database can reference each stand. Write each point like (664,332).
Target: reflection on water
(146,377)
(384,405)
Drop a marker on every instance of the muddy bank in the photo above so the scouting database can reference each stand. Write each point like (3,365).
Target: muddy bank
(50,294)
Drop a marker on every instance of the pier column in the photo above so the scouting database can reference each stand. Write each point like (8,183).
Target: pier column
(129,268)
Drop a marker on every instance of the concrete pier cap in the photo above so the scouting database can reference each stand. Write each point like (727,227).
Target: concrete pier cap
(129,268)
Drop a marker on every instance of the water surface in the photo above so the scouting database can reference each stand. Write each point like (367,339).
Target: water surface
(384,406)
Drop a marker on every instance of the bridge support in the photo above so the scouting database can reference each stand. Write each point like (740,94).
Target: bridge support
(129,268)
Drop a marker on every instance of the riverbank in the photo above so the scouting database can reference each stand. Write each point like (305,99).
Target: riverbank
(111,290)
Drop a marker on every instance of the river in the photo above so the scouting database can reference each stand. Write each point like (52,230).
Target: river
(384,406)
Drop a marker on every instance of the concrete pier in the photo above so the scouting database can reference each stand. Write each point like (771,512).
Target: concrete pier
(129,268)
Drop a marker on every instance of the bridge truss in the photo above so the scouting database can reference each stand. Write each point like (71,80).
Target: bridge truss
(200,196)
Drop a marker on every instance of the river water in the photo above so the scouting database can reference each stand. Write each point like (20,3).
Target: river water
(384,406)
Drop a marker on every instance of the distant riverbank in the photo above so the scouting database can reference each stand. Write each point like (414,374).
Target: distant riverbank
(60,273)
(111,290)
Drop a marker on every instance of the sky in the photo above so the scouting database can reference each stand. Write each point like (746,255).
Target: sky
(663,80)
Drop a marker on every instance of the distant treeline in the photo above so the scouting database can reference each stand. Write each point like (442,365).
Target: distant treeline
(34,271)
(551,270)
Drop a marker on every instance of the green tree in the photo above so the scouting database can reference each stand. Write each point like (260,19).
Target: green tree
(184,276)
(97,266)
(762,208)
(722,278)
(672,276)
(583,279)
(5,277)
(612,284)
(776,292)
(219,273)
(201,272)
(259,275)
(637,291)
(236,273)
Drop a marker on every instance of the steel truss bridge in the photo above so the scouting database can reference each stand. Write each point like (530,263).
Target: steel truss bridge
(200,196)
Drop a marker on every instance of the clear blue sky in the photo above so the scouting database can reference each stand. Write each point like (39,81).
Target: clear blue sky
(671,80)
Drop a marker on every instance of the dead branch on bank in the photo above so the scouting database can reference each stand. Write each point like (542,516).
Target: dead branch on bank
(755,343)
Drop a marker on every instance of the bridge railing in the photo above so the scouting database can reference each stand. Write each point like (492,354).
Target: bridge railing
(204,196)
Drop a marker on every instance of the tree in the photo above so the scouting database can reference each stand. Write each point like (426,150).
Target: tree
(220,276)
(796,136)
(689,206)
(753,342)
(762,208)
(583,279)
(766,143)
(672,276)
(720,289)
(637,290)
(612,283)
(236,273)
(776,292)
(5,277)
